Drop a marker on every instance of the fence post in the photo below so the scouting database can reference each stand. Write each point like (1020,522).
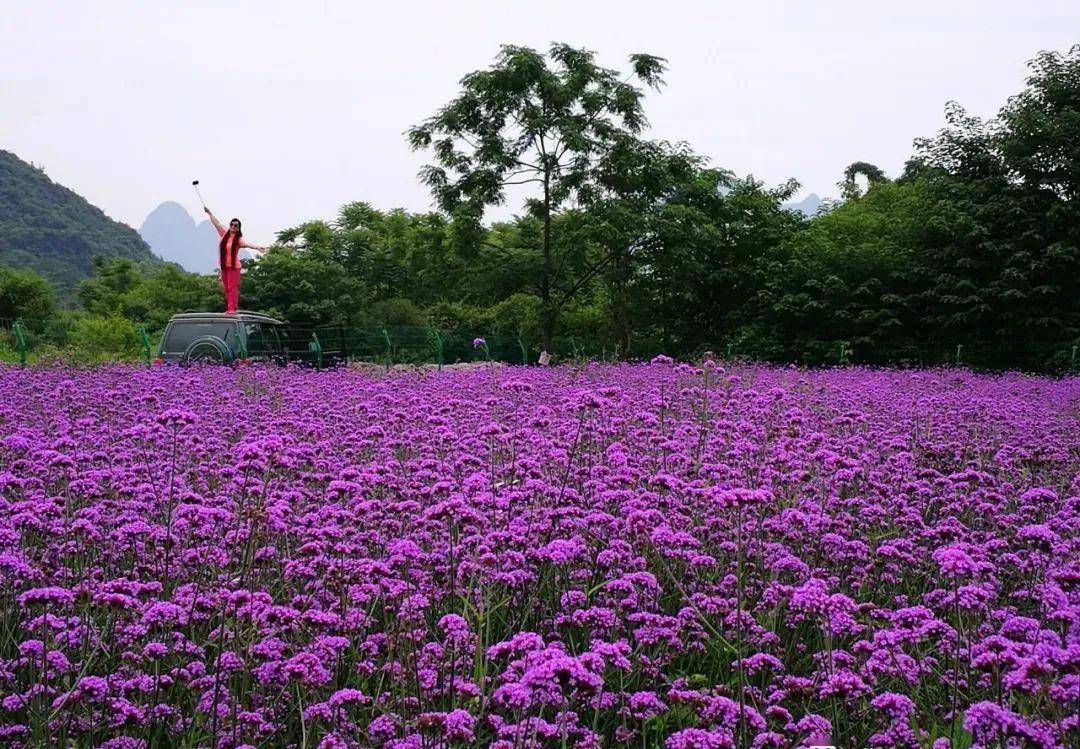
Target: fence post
(524,351)
(145,339)
(389,349)
(959,348)
(20,340)
(1072,359)
(730,349)
(438,346)
(316,347)
(241,348)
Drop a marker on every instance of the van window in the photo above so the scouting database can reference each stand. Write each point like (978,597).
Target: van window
(261,339)
(181,334)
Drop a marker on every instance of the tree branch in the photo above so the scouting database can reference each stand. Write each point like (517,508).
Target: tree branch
(594,271)
(523,181)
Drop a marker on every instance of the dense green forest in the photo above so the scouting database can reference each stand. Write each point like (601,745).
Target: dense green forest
(47,228)
(641,246)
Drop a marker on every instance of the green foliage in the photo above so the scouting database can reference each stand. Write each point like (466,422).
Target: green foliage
(846,275)
(543,121)
(57,328)
(531,118)
(999,252)
(312,286)
(1038,140)
(518,314)
(849,187)
(396,311)
(118,287)
(26,295)
(105,338)
(977,244)
(456,316)
(49,229)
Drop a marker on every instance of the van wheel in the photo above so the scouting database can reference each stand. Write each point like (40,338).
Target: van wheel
(204,353)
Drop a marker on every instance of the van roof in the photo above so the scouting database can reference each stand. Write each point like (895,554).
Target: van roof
(241,315)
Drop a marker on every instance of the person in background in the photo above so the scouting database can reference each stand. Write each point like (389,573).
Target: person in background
(232,241)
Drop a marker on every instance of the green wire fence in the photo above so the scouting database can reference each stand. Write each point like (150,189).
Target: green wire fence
(24,340)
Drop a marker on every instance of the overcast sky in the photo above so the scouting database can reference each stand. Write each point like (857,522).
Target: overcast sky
(286,110)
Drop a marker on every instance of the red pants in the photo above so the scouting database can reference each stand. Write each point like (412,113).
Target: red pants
(230,282)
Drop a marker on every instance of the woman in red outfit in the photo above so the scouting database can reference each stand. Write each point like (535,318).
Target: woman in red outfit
(232,241)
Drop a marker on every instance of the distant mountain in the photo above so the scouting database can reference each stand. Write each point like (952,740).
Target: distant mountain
(808,206)
(54,231)
(172,233)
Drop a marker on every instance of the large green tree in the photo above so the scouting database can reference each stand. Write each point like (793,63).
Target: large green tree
(846,276)
(700,263)
(537,120)
(635,186)
(1000,248)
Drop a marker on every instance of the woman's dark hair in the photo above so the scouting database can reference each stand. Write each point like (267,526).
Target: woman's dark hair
(223,245)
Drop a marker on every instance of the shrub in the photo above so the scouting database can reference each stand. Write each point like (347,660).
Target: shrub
(96,337)
(456,316)
(24,294)
(396,311)
(518,314)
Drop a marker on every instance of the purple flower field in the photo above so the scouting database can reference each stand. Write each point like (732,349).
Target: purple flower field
(636,555)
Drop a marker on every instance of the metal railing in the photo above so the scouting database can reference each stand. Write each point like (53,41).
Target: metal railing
(21,339)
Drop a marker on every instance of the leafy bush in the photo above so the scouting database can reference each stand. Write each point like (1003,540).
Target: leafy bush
(118,288)
(456,316)
(58,329)
(396,312)
(586,322)
(518,314)
(97,337)
(25,295)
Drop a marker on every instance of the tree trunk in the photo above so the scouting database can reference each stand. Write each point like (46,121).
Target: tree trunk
(620,316)
(547,309)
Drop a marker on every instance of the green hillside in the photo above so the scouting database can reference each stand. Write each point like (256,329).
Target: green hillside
(54,231)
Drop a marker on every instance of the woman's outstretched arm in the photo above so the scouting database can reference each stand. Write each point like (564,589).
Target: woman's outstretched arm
(262,250)
(215,222)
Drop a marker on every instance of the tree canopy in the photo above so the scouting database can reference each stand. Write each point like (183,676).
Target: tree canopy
(540,120)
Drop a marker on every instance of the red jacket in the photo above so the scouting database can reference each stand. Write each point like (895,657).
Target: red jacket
(231,257)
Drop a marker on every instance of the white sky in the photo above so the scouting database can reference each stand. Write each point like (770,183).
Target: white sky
(286,110)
